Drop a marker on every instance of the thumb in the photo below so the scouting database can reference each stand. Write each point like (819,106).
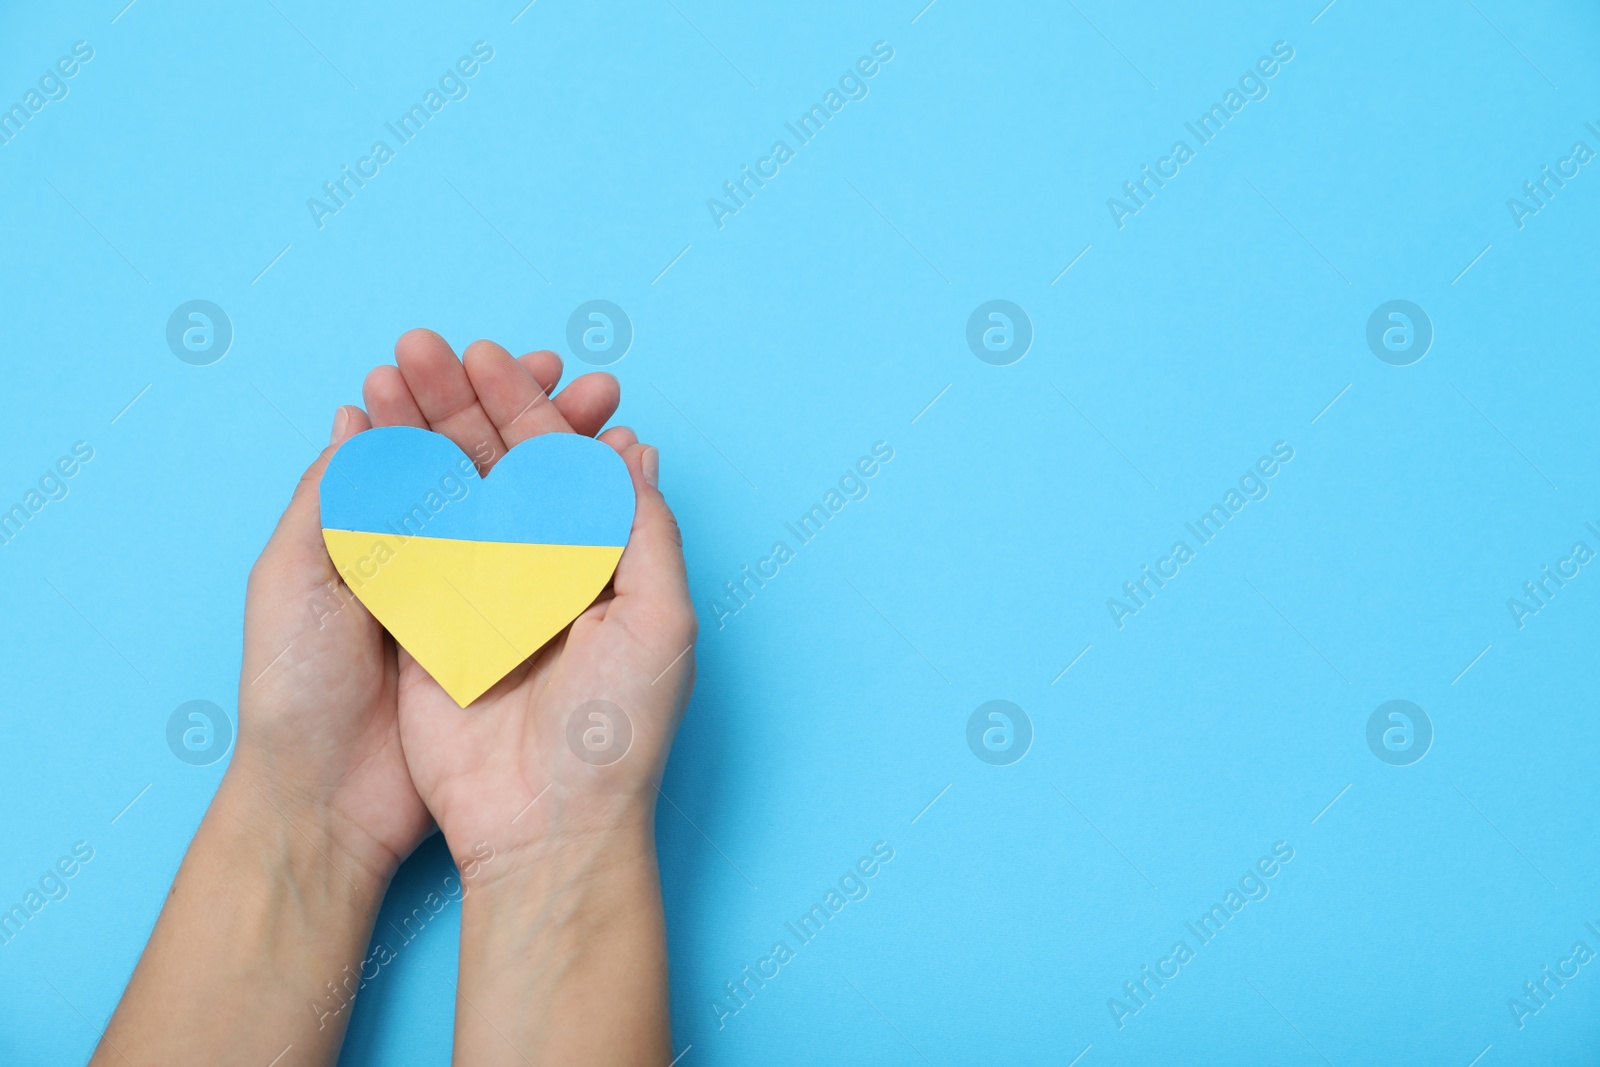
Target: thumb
(651,582)
(297,540)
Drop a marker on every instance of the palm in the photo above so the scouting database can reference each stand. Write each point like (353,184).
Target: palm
(498,771)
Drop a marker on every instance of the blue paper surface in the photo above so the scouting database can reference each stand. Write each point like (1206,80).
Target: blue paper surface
(554,489)
(945,268)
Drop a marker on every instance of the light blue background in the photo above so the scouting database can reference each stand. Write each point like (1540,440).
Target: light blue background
(773,353)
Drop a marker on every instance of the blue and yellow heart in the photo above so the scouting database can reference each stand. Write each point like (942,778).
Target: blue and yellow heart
(472,575)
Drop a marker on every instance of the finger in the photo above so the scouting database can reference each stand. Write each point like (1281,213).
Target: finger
(651,581)
(589,401)
(510,396)
(620,438)
(297,540)
(389,400)
(439,383)
(545,366)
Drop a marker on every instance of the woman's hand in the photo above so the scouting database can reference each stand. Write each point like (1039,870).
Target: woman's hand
(319,736)
(257,954)
(555,767)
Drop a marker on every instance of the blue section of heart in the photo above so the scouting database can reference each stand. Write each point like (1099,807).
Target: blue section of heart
(554,489)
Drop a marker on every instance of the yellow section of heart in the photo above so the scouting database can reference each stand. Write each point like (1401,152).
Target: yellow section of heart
(470,611)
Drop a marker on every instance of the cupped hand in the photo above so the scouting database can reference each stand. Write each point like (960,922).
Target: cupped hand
(319,738)
(512,770)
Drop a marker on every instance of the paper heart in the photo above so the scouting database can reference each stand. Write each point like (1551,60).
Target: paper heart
(472,575)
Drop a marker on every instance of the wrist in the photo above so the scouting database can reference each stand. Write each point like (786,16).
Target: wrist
(300,839)
(268,911)
(566,930)
(572,881)
(554,840)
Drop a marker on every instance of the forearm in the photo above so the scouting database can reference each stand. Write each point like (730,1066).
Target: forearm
(564,958)
(266,913)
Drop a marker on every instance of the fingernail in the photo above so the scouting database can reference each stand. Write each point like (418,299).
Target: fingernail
(341,418)
(650,463)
